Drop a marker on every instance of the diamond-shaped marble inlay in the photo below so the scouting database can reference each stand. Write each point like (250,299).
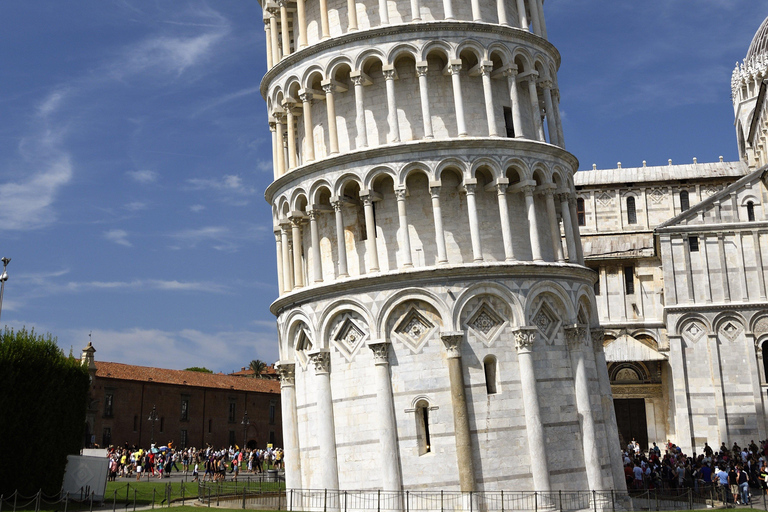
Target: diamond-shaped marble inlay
(710,191)
(303,345)
(731,330)
(414,329)
(546,321)
(349,335)
(694,331)
(605,199)
(656,195)
(485,321)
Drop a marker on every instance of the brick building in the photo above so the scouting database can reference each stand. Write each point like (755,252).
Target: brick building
(192,408)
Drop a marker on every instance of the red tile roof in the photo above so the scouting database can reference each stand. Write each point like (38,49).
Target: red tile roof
(121,371)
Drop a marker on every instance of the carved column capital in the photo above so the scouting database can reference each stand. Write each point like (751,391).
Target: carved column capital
(357,80)
(313,215)
(434,192)
(287,373)
(279,117)
(337,205)
(390,74)
(575,335)
(501,188)
(321,359)
(525,337)
(273,10)
(528,189)
(329,88)
(452,342)
(401,193)
(545,84)
(421,70)
(380,350)
(469,188)
(367,199)
(598,335)
(306,97)
(486,69)
(511,71)
(454,69)
(563,197)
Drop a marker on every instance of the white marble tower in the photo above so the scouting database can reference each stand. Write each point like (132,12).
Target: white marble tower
(435,317)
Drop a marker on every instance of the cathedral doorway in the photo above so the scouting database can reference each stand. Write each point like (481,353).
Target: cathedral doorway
(631,420)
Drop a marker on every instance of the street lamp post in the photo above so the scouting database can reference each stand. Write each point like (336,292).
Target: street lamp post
(3,279)
(245,424)
(153,418)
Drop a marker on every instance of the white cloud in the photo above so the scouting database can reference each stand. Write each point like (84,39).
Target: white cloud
(227,183)
(264,166)
(51,103)
(118,236)
(144,176)
(145,285)
(135,206)
(197,208)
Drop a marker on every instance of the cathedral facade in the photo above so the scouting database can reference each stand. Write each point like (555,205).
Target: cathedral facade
(438,328)
(681,253)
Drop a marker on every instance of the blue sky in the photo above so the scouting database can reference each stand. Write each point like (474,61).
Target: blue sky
(134,154)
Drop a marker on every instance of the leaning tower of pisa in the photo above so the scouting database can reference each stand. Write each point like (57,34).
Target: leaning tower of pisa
(437,327)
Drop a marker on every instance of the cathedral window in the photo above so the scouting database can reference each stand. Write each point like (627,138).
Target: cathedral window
(751,211)
(629,280)
(509,123)
(580,213)
(109,400)
(422,427)
(693,243)
(631,211)
(684,201)
(489,365)
(765,360)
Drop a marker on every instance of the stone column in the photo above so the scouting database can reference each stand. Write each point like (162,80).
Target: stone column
(326,33)
(383,12)
(434,191)
(280,142)
(501,12)
(454,67)
(301,13)
(287,267)
(716,376)
(421,70)
(286,371)
(370,228)
(279,247)
(506,229)
(609,413)
(324,428)
(390,75)
(542,21)
(485,70)
(570,240)
(291,129)
(415,10)
(535,17)
(514,98)
(402,215)
(466,466)
(352,15)
(522,15)
(391,480)
(298,267)
(273,133)
(268,38)
(682,408)
(317,265)
(476,14)
(758,260)
(576,337)
(575,228)
(554,225)
(309,136)
(330,105)
(474,224)
(555,93)
(359,80)
(546,85)
(448,8)
(284,30)
(340,238)
(525,338)
(535,109)
(276,54)
(533,228)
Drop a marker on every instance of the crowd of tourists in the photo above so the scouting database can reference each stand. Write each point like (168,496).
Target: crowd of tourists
(731,472)
(204,464)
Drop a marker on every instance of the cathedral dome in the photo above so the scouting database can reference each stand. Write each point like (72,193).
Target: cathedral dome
(759,44)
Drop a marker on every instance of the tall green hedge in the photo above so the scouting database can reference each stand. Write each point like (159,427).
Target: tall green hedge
(42,411)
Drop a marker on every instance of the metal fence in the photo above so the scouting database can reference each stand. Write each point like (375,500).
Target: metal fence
(325,500)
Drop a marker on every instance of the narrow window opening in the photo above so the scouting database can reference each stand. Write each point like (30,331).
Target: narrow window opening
(629,280)
(509,122)
(693,243)
(422,427)
(596,286)
(232,411)
(210,426)
(184,438)
(765,362)
(232,440)
(580,212)
(272,408)
(751,211)
(162,423)
(109,399)
(631,211)
(489,364)
(684,201)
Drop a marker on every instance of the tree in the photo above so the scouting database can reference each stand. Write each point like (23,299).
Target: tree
(200,369)
(258,366)
(43,404)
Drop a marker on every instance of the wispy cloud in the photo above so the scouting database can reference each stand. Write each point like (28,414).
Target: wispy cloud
(118,236)
(135,206)
(197,208)
(144,176)
(226,99)
(227,183)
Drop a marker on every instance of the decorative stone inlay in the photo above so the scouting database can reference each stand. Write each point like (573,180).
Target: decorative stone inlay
(452,342)
(575,335)
(348,337)
(414,329)
(303,345)
(693,331)
(380,350)
(485,321)
(321,359)
(287,373)
(525,337)
(605,199)
(546,321)
(710,191)
(731,329)
(656,195)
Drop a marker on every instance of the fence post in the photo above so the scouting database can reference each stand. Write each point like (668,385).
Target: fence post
(66,501)
(690,499)
(39,498)
(536,501)
(325,500)
(441,499)
(613,501)
(127,490)
(134,500)
(90,508)
(408,501)
(560,498)
(154,491)
(470,501)
(243,497)
(209,497)
(594,499)
(378,500)
(114,501)
(290,505)
(656,492)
